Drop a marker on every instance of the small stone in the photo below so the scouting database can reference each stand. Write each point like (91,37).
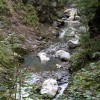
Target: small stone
(58,66)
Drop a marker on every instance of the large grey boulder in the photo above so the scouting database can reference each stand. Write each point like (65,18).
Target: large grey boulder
(63,55)
(49,87)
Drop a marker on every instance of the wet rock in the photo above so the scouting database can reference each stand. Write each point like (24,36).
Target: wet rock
(72,34)
(74,42)
(71,12)
(58,66)
(63,55)
(49,87)
(43,57)
(82,29)
(77,18)
(74,24)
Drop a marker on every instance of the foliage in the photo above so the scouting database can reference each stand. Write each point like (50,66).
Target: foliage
(2,6)
(84,85)
(78,58)
(87,49)
(30,16)
(28,13)
(3,10)
(8,66)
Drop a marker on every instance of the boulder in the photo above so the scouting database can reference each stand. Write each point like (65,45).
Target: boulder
(49,87)
(71,18)
(43,57)
(82,29)
(74,42)
(71,33)
(63,55)
(77,18)
(71,12)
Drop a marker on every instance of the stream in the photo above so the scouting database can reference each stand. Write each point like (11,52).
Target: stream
(55,68)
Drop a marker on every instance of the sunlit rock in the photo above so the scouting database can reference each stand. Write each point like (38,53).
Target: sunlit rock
(71,12)
(43,57)
(49,87)
(58,66)
(63,55)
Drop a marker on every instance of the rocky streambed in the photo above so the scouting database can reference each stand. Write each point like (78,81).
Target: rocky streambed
(48,70)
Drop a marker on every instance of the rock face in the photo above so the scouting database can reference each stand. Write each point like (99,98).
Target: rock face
(43,57)
(63,55)
(49,87)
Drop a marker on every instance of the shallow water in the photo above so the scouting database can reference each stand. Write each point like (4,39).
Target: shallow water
(34,63)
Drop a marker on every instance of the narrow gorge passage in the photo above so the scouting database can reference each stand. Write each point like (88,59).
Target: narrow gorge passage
(52,62)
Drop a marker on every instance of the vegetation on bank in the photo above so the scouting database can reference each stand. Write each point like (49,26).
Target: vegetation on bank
(4,11)
(84,82)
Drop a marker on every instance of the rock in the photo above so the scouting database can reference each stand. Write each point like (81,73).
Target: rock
(70,18)
(77,18)
(54,4)
(74,42)
(43,57)
(67,32)
(71,12)
(60,23)
(82,29)
(72,34)
(49,87)
(63,55)
(74,24)
(58,66)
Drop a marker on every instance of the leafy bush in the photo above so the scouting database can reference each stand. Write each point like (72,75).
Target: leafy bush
(30,16)
(84,85)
